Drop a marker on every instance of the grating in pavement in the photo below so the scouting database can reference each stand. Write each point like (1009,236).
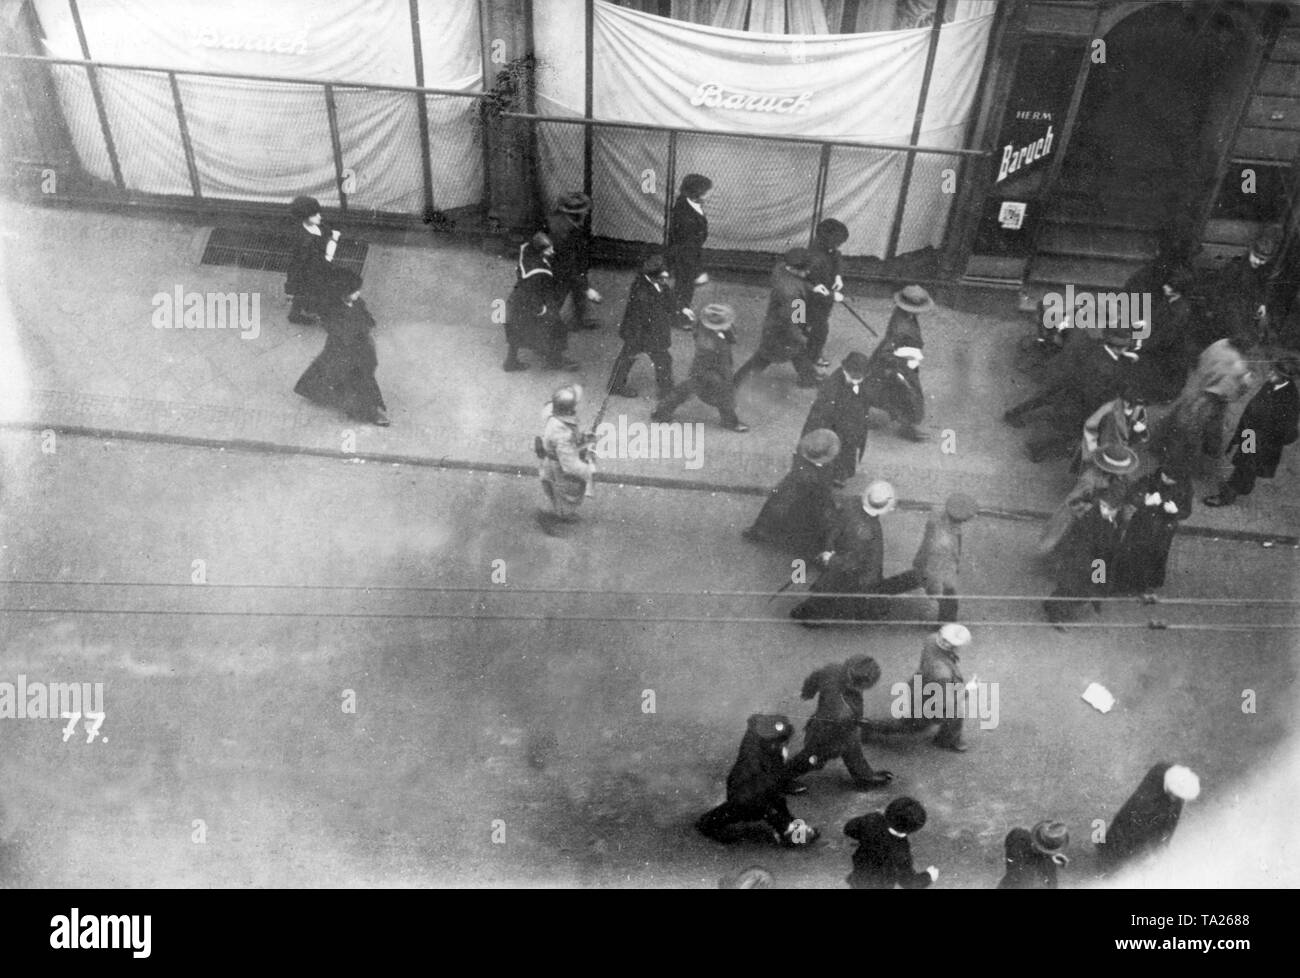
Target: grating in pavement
(269,250)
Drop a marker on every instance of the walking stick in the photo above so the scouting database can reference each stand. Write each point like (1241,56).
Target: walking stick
(853,312)
(590,437)
(780,591)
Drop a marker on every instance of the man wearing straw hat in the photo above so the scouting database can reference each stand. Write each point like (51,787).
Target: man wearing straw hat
(710,376)
(1033,856)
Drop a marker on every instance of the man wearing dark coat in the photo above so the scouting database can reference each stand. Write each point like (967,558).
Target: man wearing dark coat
(1267,426)
(842,406)
(343,375)
(1167,351)
(1078,380)
(783,327)
(756,787)
(310,270)
(800,512)
(937,563)
(1159,503)
(834,728)
(883,859)
(1085,558)
(1244,295)
(1149,817)
(1034,855)
(894,376)
(688,229)
(710,376)
(825,285)
(567,228)
(532,322)
(853,557)
(652,308)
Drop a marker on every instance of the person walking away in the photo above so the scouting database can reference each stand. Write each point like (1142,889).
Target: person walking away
(343,375)
(1034,855)
(1147,821)
(652,307)
(843,405)
(783,336)
(688,229)
(308,279)
(711,370)
(800,512)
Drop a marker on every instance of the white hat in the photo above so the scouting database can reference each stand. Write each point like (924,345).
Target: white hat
(1182,782)
(878,498)
(954,636)
(909,353)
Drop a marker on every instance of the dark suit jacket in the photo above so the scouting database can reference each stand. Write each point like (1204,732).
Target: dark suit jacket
(687,232)
(882,859)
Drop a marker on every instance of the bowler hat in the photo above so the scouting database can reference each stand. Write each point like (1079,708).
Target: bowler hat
(913,299)
(960,507)
(856,364)
(694,184)
(906,815)
(654,264)
(575,203)
(718,316)
(831,233)
(1115,459)
(797,258)
(1182,783)
(771,726)
(862,670)
(820,446)
(1049,837)
(878,498)
(1267,244)
(304,207)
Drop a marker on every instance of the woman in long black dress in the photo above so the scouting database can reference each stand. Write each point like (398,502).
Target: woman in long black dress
(343,375)
(688,229)
(310,271)
(1159,502)
(532,311)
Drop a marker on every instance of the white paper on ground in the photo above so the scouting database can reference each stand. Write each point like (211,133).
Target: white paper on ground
(1099,697)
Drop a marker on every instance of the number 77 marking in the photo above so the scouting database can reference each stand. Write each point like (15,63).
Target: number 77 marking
(72,719)
(93,729)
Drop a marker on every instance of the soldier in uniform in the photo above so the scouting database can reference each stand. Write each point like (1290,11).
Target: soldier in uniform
(1149,817)
(756,787)
(825,285)
(566,467)
(834,730)
(783,327)
(854,558)
(800,512)
(939,670)
(938,559)
(567,227)
(688,229)
(1267,426)
(652,307)
(710,377)
(883,859)
(842,406)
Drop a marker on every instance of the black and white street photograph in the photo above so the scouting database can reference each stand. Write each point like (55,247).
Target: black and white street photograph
(651,444)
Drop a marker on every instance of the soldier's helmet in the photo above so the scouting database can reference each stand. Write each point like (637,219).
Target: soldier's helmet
(879,498)
(566,399)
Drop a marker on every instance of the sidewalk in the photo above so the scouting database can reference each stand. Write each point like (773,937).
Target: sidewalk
(81,284)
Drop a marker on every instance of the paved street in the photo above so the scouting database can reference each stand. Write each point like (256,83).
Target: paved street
(479,701)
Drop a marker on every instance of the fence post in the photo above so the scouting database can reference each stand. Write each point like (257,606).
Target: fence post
(819,191)
(670,180)
(98,97)
(332,111)
(589,101)
(896,228)
(185,136)
(422,108)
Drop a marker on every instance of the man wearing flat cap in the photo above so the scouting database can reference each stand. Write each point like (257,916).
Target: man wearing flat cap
(756,787)
(939,672)
(938,560)
(1267,426)
(784,337)
(834,728)
(567,228)
(800,513)
(842,406)
(710,376)
(652,310)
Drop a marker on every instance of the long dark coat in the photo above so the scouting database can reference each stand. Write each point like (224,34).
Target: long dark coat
(783,337)
(1091,537)
(1078,380)
(758,776)
(343,375)
(1273,415)
(649,317)
(533,305)
(823,268)
(572,250)
(1143,553)
(1166,354)
(1027,868)
(840,410)
(687,231)
(800,512)
(882,860)
(894,387)
(309,272)
(1235,294)
(1145,823)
